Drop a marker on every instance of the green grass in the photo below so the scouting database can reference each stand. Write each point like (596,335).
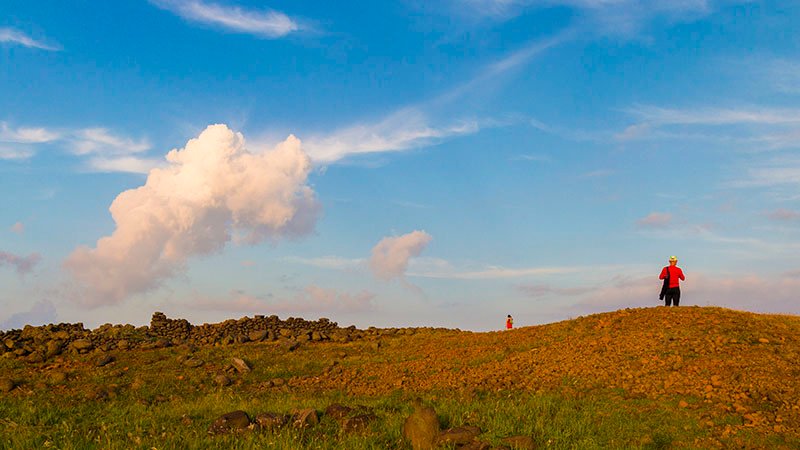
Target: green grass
(159,403)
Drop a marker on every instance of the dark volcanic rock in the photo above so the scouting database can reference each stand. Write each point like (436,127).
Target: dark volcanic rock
(304,418)
(337,411)
(230,422)
(222,380)
(357,423)
(104,360)
(272,421)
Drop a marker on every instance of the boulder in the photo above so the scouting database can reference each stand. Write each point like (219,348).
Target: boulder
(6,385)
(233,421)
(257,336)
(240,365)
(82,345)
(520,442)
(337,411)
(222,380)
(53,348)
(271,421)
(304,418)
(421,428)
(104,360)
(357,423)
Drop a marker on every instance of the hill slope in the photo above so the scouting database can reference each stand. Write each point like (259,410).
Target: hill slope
(717,376)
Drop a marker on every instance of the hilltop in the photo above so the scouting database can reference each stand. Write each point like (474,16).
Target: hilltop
(684,377)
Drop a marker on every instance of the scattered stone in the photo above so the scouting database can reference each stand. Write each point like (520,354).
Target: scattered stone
(683,404)
(290,345)
(58,377)
(458,435)
(222,380)
(337,411)
(272,421)
(357,423)
(421,428)
(35,357)
(53,348)
(304,418)
(277,382)
(520,442)
(193,362)
(7,385)
(240,365)
(234,421)
(763,340)
(105,360)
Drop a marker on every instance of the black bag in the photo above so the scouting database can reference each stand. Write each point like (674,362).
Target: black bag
(665,286)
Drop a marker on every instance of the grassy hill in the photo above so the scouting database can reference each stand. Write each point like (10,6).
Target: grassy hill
(685,377)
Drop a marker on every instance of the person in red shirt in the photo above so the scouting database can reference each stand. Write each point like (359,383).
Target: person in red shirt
(672,276)
(509,322)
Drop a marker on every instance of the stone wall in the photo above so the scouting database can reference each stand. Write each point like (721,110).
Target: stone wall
(39,344)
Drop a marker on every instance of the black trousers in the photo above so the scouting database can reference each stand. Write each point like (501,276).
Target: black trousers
(673,295)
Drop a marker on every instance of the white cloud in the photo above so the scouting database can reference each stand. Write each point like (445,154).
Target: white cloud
(268,24)
(18,228)
(25,135)
(22,264)
(391,255)
(716,116)
(12,36)
(655,220)
(783,74)
(212,191)
(102,141)
(403,129)
(16,154)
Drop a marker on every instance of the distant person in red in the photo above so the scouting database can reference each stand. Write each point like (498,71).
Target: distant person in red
(509,322)
(672,276)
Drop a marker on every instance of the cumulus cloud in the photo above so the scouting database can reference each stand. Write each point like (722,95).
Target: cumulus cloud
(18,228)
(655,220)
(12,36)
(268,24)
(391,255)
(22,264)
(212,191)
(41,313)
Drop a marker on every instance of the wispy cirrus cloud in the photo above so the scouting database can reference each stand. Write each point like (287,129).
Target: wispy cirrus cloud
(783,214)
(264,23)
(27,135)
(655,220)
(16,37)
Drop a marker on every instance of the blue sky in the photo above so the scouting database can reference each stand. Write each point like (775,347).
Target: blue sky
(452,162)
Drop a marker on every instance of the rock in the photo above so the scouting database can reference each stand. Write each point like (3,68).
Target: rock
(58,377)
(290,345)
(53,348)
(82,345)
(458,435)
(277,382)
(35,357)
(222,380)
(240,365)
(763,340)
(375,345)
(304,418)
(337,411)
(11,344)
(123,344)
(230,422)
(421,428)
(357,423)
(104,360)
(271,421)
(683,404)
(7,385)
(193,362)
(257,336)
(520,442)
(476,445)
